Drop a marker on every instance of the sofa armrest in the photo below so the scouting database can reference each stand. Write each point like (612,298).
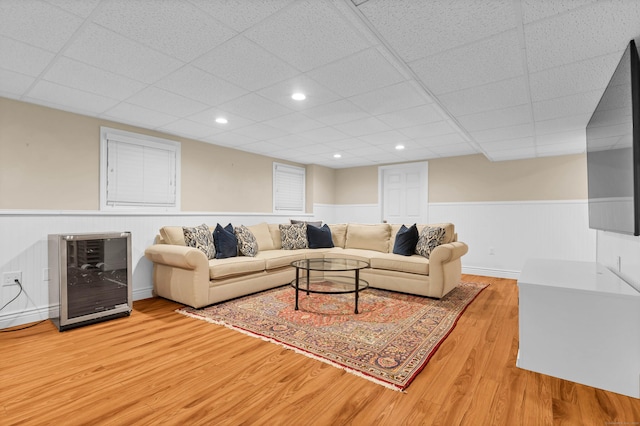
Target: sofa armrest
(447,253)
(445,267)
(178,256)
(180,273)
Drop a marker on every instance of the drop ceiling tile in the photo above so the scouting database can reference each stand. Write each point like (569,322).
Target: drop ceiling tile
(582,33)
(68,98)
(335,112)
(13,84)
(572,136)
(574,78)
(452,150)
(245,64)
(533,10)
(426,130)
(81,8)
(294,123)
(502,133)
(509,144)
(497,118)
(316,34)
(348,144)
(23,58)
(260,132)
(37,23)
(391,137)
(359,73)
(316,93)
(255,107)
(262,147)
(492,59)
(230,139)
(512,154)
(139,116)
(439,140)
(177,29)
(561,149)
(579,103)
(292,142)
(189,129)
(200,86)
(317,149)
(409,117)
(364,126)
(209,115)
(562,124)
(323,134)
(71,73)
(167,102)
(416,29)
(492,96)
(388,99)
(241,15)
(112,52)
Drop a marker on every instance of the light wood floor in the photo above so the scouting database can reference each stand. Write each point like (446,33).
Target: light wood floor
(159,367)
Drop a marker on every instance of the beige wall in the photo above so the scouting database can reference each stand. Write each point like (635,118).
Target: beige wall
(474,178)
(49,160)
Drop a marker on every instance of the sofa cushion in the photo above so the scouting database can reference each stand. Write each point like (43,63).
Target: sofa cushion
(319,237)
(406,240)
(316,223)
(173,235)
(201,238)
(275,259)
(449,231)
(247,243)
(222,268)
(225,241)
(294,236)
(263,236)
(414,264)
(338,234)
(274,230)
(430,238)
(357,254)
(368,237)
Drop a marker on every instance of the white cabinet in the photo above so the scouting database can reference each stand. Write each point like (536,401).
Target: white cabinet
(580,322)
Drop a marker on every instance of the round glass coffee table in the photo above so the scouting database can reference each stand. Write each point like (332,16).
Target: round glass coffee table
(329,282)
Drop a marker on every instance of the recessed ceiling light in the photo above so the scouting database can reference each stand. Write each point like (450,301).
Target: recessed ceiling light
(337,155)
(299,96)
(221,120)
(400,147)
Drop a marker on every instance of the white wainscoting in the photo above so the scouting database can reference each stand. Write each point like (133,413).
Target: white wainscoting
(512,231)
(23,247)
(612,246)
(515,231)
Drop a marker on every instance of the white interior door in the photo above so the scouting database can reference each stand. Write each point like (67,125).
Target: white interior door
(403,193)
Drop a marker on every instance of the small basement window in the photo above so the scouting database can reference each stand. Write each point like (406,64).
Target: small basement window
(288,188)
(138,172)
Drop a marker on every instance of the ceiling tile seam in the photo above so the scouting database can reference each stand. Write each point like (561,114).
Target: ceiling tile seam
(54,4)
(566,12)
(425,91)
(60,53)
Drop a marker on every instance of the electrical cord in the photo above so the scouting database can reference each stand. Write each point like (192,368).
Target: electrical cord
(7,304)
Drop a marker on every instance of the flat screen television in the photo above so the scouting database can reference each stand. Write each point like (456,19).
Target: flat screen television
(613,151)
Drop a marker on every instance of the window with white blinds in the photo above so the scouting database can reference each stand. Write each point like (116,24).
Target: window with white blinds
(288,188)
(138,172)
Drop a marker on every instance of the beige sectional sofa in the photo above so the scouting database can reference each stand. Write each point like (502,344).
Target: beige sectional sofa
(185,274)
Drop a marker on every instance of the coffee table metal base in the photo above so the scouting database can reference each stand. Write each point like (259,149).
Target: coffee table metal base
(330,285)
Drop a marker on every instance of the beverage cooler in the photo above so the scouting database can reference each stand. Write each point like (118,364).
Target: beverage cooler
(90,278)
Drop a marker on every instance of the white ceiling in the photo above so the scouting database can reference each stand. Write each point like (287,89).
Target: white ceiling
(509,79)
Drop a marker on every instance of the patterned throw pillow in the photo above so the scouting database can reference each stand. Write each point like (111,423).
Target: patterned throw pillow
(201,238)
(247,243)
(294,236)
(430,238)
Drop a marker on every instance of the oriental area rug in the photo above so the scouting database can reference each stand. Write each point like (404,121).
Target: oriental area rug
(389,342)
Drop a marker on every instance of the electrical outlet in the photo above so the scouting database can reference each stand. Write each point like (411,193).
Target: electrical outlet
(9,278)
(45,274)
(492,251)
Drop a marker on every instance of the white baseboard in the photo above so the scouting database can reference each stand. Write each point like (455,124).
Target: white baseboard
(489,272)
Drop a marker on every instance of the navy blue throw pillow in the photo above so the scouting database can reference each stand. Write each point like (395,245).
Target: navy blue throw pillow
(225,241)
(406,240)
(319,237)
